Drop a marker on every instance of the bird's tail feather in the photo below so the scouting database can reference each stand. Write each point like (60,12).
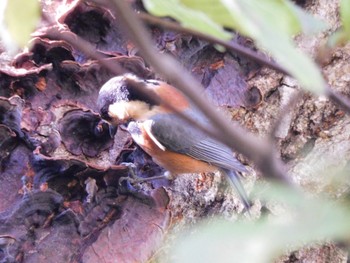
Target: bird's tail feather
(237,184)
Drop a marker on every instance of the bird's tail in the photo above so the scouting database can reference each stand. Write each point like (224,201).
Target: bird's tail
(237,184)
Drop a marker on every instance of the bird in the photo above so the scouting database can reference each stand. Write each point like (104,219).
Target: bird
(171,141)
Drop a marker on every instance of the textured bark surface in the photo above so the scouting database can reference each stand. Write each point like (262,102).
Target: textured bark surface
(61,200)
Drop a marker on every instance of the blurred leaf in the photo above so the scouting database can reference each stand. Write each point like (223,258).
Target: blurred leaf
(345,15)
(270,23)
(307,220)
(278,44)
(342,35)
(308,23)
(274,10)
(338,38)
(21,18)
(188,17)
(282,15)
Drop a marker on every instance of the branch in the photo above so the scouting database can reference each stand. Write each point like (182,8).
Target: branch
(113,66)
(248,53)
(260,152)
(241,50)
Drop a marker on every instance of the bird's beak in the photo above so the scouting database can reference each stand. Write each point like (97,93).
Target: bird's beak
(112,128)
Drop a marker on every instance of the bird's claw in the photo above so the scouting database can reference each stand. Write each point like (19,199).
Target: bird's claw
(127,188)
(132,170)
(132,165)
(134,179)
(127,179)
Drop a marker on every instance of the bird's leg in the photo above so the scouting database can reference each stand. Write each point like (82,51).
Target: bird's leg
(134,179)
(166,175)
(127,188)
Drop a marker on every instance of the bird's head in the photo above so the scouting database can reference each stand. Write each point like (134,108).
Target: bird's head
(126,98)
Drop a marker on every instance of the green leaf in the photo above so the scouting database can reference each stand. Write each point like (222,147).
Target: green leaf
(279,45)
(21,18)
(188,17)
(342,35)
(269,22)
(345,15)
(305,220)
(308,23)
(278,14)
(281,15)
(338,38)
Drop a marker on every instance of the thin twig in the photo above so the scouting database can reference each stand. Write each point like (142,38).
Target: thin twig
(258,151)
(114,67)
(246,52)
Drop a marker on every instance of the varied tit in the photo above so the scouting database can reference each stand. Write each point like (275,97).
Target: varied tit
(166,137)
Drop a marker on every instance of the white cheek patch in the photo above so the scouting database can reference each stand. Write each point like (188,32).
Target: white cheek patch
(119,110)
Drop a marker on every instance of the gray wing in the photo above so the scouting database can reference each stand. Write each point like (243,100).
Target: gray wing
(177,135)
